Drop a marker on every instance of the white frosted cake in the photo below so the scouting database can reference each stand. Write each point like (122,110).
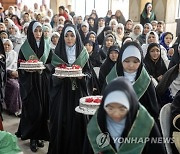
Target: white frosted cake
(90,103)
(31,64)
(64,70)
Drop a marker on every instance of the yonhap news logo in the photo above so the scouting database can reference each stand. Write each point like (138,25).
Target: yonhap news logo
(103,140)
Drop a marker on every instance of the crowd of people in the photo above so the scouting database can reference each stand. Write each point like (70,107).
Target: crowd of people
(139,72)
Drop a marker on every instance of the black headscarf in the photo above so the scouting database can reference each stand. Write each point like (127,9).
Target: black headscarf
(119,66)
(95,44)
(60,49)
(107,65)
(32,41)
(154,68)
(124,85)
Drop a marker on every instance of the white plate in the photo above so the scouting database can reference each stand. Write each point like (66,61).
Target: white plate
(38,68)
(78,75)
(85,111)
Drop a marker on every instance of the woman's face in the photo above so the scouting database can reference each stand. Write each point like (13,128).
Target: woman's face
(84,29)
(168,39)
(91,22)
(55,39)
(12,30)
(149,8)
(151,39)
(7,46)
(131,64)
(46,33)
(59,30)
(113,25)
(38,33)
(3,36)
(113,56)
(92,37)
(137,30)
(109,42)
(89,47)
(119,30)
(2,27)
(129,25)
(70,39)
(116,111)
(154,26)
(146,29)
(61,21)
(154,53)
(56,19)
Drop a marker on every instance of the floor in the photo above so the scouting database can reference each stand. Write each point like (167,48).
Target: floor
(10,124)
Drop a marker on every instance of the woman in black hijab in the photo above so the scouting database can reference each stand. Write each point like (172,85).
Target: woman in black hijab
(156,68)
(2,79)
(67,127)
(154,63)
(34,88)
(140,79)
(120,117)
(108,64)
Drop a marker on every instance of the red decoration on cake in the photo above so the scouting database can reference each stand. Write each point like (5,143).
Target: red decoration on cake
(76,67)
(21,60)
(91,100)
(97,100)
(32,61)
(64,66)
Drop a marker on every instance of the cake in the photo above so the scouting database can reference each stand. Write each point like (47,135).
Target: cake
(31,64)
(90,103)
(64,70)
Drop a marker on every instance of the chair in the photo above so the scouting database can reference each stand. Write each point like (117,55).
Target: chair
(165,121)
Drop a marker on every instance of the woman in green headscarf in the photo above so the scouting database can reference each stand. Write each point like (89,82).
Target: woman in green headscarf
(147,15)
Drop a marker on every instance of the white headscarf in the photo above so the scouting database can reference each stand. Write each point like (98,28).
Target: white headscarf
(131,51)
(11,57)
(116,128)
(35,25)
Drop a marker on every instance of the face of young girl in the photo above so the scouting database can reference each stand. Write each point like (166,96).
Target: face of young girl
(70,39)
(168,39)
(151,39)
(46,33)
(154,53)
(113,55)
(116,111)
(137,30)
(89,47)
(38,33)
(129,25)
(7,46)
(146,29)
(12,30)
(92,37)
(119,30)
(131,64)
(55,39)
(109,42)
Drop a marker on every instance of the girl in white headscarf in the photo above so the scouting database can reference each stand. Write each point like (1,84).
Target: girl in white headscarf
(12,92)
(54,40)
(137,30)
(119,33)
(152,37)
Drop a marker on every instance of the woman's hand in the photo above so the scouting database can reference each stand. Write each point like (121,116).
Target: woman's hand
(170,52)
